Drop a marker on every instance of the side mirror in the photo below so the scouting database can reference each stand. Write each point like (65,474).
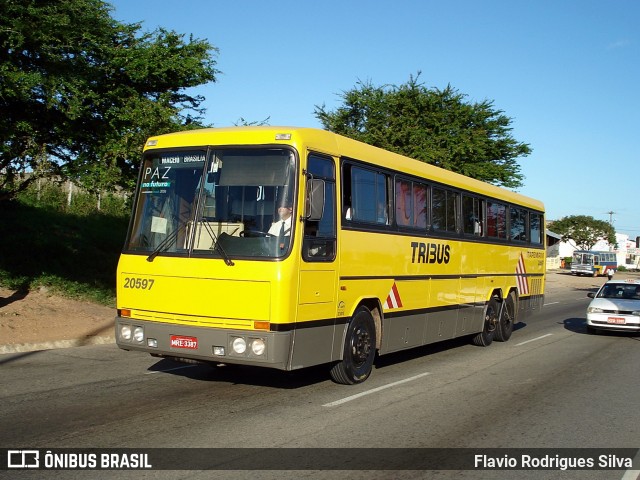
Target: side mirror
(591,295)
(315,199)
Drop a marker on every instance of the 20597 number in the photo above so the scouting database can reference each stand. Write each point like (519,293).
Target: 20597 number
(138,283)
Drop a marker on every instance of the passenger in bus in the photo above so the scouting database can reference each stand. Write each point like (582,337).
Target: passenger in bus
(382,216)
(403,203)
(348,214)
(311,246)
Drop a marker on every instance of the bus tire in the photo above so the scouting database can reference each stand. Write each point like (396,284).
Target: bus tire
(508,315)
(359,350)
(491,312)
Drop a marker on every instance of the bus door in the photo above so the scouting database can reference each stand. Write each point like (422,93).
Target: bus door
(597,267)
(318,271)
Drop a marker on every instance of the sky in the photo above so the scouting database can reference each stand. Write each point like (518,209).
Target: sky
(567,72)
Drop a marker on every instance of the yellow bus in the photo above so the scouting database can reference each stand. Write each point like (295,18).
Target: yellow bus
(288,247)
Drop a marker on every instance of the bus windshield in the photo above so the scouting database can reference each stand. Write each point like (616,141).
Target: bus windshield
(229,203)
(580,258)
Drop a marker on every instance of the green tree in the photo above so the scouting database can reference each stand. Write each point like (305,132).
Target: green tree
(435,126)
(584,230)
(80,91)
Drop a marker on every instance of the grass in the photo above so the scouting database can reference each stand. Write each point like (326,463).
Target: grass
(70,254)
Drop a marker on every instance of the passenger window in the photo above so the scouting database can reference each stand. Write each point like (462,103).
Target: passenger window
(411,204)
(472,216)
(443,210)
(518,224)
(369,201)
(535,228)
(496,220)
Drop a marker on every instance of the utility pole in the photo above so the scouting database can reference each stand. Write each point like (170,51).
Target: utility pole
(611,213)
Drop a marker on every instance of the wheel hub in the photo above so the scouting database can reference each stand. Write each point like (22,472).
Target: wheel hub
(361,346)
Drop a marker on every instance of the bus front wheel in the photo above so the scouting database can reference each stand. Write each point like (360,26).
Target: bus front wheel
(359,350)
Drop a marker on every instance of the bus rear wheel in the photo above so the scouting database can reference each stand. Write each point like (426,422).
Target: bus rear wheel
(359,350)
(491,312)
(507,319)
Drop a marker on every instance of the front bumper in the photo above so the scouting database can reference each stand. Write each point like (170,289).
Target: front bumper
(200,343)
(602,321)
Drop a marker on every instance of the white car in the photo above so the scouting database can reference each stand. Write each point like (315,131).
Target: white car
(616,306)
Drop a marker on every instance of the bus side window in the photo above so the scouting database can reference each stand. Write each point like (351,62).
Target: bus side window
(319,242)
(518,224)
(411,204)
(369,196)
(472,216)
(444,208)
(404,205)
(496,220)
(535,229)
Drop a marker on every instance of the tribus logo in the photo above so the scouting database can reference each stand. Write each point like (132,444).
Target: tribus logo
(430,253)
(23,459)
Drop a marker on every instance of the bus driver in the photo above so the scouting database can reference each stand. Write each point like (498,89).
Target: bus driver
(282,227)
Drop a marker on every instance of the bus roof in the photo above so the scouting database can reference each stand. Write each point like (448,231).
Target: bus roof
(324,141)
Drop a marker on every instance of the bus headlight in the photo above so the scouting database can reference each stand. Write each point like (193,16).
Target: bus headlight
(125,332)
(239,345)
(138,334)
(258,346)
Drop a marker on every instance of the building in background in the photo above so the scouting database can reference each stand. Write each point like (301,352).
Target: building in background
(627,251)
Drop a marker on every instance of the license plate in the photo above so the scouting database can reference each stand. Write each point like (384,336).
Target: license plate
(179,341)
(616,320)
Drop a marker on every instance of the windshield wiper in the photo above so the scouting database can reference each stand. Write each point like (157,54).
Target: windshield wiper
(216,245)
(167,242)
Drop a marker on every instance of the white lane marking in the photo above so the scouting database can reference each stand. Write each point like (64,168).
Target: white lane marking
(550,303)
(632,474)
(534,339)
(374,390)
(170,369)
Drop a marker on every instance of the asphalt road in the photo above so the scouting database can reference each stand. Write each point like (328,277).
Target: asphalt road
(551,386)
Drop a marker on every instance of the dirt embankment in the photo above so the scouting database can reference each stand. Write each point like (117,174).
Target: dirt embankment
(37,317)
